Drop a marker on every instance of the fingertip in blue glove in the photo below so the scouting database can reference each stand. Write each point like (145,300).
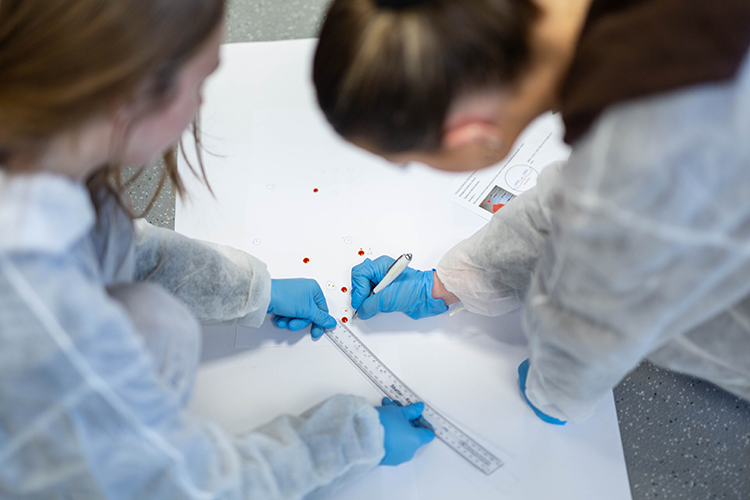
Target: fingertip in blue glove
(298,303)
(410,293)
(403,437)
(523,372)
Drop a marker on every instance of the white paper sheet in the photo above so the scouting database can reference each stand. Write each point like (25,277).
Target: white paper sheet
(486,191)
(316,203)
(272,151)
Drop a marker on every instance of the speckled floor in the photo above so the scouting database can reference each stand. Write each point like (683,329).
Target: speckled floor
(683,438)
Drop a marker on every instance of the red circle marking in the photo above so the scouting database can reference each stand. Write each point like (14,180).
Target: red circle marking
(305,260)
(315,190)
(361,252)
(344,289)
(344,319)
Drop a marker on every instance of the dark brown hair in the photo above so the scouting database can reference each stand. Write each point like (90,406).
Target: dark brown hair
(388,75)
(63,62)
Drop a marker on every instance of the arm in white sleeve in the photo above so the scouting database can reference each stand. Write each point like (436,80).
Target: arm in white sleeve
(650,238)
(490,271)
(85,414)
(218,283)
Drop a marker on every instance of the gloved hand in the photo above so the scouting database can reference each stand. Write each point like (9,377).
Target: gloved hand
(403,437)
(297,303)
(523,371)
(410,293)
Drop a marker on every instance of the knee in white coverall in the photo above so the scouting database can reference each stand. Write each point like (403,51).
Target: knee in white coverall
(169,330)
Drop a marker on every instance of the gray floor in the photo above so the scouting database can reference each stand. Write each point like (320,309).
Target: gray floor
(683,438)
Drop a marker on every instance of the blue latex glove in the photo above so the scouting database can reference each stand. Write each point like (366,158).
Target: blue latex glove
(403,437)
(298,303)
(523,371)
(410,293)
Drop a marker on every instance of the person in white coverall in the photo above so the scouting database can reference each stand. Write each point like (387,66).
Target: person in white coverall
(637,247)
(99,317)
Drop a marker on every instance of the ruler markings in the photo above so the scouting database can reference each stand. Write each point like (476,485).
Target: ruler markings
(392,386)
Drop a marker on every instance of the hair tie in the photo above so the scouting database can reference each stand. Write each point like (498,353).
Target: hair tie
(400,4)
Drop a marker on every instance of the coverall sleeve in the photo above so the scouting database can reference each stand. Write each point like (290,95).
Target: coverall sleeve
(649,240)
(85,415)
(490,271)
(641,237)
(218,283)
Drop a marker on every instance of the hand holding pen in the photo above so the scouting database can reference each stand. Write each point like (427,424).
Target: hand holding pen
(406,290)
(394,271)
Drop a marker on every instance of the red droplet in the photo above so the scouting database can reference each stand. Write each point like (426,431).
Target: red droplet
(344,289)
(315,190)
(305,260)
(361,252)
(344,319)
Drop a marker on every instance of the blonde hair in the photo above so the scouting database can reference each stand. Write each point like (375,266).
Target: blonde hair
(388,74)
(63,62)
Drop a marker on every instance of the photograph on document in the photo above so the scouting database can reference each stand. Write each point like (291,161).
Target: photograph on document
(496,200)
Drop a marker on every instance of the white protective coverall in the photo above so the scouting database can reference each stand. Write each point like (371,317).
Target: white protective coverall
(637,247)
(96,370)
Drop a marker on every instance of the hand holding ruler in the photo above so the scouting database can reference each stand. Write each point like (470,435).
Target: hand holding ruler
(391,386)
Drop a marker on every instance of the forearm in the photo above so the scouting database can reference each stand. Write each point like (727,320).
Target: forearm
(335,442)
(490,272)
(217,283)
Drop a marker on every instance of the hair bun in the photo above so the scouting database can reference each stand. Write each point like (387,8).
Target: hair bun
(399,4)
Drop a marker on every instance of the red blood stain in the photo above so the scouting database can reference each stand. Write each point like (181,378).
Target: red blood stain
(344,319)
(344,289)
(361,252)
(497,207)
(315,190)
(306,260)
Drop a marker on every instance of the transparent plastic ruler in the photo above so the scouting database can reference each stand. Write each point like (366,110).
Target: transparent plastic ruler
(390,385)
